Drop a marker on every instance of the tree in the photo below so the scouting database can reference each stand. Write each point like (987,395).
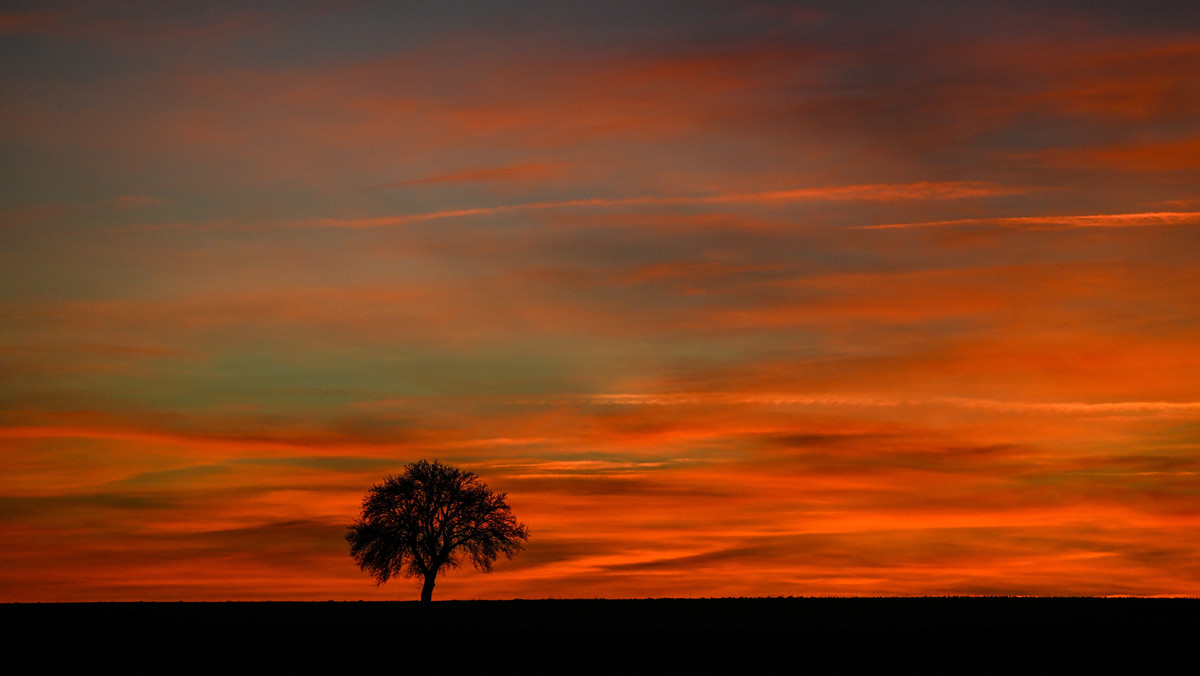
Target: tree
(424,520)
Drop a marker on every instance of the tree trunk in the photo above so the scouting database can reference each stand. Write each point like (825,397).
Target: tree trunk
(427,590)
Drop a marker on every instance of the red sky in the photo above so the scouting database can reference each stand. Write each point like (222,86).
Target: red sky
(731,299)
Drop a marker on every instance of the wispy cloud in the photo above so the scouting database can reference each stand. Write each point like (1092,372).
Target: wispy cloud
(851,400)
(1134,220)
(827,400)
(879,192)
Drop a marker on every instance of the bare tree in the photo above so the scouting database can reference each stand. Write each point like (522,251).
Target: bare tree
(422,521)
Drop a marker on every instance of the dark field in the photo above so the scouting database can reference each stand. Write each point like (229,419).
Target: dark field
(961,635)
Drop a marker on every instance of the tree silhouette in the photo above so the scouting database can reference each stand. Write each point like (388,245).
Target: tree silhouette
(422,521)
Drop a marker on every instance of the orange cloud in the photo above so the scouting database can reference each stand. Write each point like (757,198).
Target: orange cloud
(767,504)
(1164,156)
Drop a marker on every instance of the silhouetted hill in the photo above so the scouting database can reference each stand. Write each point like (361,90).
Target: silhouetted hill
(966,635)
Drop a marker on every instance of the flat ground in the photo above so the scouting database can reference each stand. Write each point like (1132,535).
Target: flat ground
(962,635)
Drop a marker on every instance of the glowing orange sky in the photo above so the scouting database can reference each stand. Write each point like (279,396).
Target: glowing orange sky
(732,299)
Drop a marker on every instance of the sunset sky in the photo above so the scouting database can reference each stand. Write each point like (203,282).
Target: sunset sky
(730,298)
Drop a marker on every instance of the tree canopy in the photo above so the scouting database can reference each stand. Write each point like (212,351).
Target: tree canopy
(425,520)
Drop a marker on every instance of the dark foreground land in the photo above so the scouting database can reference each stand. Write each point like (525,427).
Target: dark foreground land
(961,635)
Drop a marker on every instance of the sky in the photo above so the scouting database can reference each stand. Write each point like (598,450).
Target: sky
(853,298)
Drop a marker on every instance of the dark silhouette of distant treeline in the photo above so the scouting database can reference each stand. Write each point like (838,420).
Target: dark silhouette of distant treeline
(815,635)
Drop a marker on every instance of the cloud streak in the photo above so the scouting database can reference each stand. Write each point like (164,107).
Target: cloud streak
(1034,223)
(924,191)
(834,400)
